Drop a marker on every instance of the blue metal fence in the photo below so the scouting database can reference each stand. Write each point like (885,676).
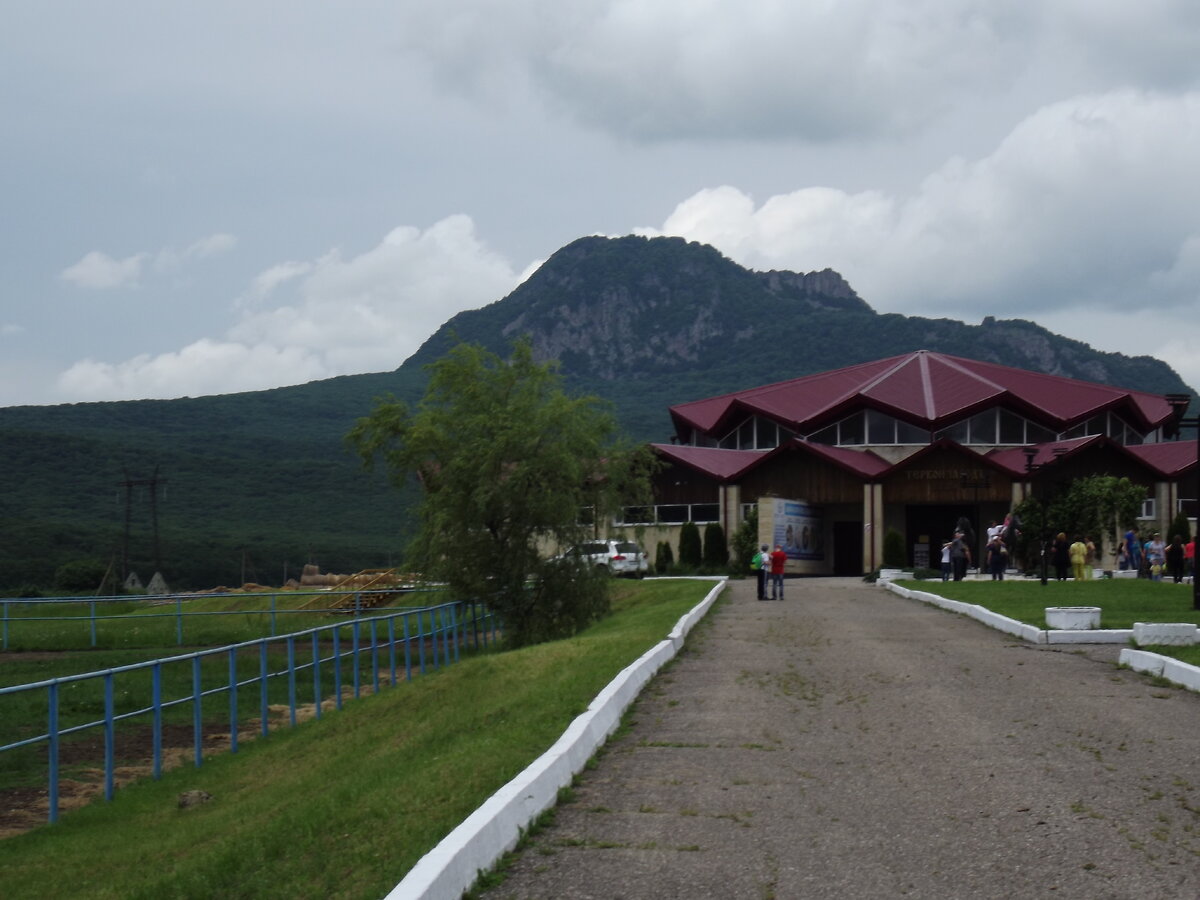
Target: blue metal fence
(382,649)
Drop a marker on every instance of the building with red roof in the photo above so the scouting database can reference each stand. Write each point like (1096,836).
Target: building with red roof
(912,443)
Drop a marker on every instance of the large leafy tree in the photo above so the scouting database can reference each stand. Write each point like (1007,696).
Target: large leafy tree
(1098,505)
(506,461)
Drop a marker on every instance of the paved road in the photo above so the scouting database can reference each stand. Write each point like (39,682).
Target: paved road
(850,743)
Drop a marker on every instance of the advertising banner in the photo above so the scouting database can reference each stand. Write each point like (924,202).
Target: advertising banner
(799,529)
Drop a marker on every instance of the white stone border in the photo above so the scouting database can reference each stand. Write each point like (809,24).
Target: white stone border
(1030,633)
(1180,673)
(1183,674)
(450,868)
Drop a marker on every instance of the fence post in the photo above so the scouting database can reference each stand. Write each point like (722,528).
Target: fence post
(272,615)
(354,652)
(179,621)
(52,750)
(316,648)
(337,666)
(374,654)
(110,737)
(233,700)
(93,617)
(156,703)
(392,647)
(407,649)
(263,706)
(5,604)
(197,722)
(291,657)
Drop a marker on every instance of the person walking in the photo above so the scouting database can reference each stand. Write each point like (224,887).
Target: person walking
(946,560)
(1078,553)
(1156,556)
(1174,556)
(997,558)
(759,564)
(960,555)
(778,559)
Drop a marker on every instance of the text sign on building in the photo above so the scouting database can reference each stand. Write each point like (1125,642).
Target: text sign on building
(798,528)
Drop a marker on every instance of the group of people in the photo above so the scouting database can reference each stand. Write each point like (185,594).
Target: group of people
(1074,558)
(769,566)
(956,552)
(1153,558)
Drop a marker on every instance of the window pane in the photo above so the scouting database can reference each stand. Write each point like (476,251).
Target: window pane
(746,435)
(706,512)
(881,429)
(825,435)
(1012,428)
(768,434)
(851,429)
(983,427)
(1036,434)
(672,513)
(910,434)
(957,432)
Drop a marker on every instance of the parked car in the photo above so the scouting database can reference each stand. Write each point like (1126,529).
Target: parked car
(618,557)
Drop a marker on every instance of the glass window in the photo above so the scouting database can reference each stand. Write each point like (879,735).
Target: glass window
(850,430)
(768,434)
(785,435)
(958,432)
(672,513)
(910,434)
(825,435)
(746,435)
(1012,428)
(706,512)
(881,429)
(1036,434)
(983,427)
(1147,509)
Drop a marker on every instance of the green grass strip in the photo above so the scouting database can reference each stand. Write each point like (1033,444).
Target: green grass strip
(343,807)
(1122,601)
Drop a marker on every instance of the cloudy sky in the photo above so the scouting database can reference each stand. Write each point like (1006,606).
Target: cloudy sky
(228,196)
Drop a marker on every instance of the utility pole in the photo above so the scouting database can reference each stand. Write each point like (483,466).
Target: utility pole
(129,484)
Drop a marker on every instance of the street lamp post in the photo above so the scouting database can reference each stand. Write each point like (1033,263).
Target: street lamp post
(1030,453)
(1180,403)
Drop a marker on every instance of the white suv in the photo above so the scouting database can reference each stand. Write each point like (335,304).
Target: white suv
(618,557)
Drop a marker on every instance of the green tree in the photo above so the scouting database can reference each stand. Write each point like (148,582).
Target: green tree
(716,550)
(1181,526)
(506,461)
(745,540)
(1101,506)
(691,551)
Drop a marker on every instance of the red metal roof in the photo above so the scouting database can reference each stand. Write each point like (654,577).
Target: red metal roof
(1172,458)
(925,388)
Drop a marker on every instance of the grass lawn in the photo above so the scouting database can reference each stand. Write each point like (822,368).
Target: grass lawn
(1121,601)
(344,806)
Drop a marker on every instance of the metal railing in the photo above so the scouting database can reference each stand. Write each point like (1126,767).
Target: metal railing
(376,650)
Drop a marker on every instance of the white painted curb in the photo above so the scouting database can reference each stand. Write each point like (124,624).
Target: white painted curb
(450,868)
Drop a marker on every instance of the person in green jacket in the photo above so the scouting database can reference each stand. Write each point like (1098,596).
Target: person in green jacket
(758,565)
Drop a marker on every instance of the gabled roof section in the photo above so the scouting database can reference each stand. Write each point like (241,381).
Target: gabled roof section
(712,461)
(1172,458)
(728,465)
(925,388)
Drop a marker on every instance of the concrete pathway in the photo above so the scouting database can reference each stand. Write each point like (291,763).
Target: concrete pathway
(851,743)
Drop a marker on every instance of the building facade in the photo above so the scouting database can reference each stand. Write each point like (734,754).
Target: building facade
(911,443)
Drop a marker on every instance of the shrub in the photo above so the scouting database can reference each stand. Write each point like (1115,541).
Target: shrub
(716,551)
(745,541)
(664,559)
(691,554)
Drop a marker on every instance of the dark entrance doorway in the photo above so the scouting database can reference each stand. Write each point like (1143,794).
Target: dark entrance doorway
(928,527)
(847,548)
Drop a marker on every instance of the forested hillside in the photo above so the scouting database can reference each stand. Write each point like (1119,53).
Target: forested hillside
(255,485)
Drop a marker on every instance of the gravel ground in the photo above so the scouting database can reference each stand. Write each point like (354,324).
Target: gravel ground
(847,742)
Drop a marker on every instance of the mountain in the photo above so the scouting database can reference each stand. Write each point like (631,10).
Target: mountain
(255,485)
